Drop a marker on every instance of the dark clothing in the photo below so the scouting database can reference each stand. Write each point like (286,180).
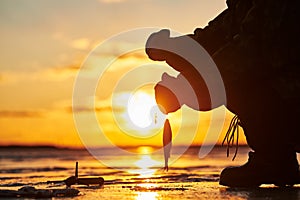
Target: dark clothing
(255,45)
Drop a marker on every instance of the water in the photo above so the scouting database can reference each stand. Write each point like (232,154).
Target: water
(134,174)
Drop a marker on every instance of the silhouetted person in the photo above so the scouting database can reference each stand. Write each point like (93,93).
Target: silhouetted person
(255,45)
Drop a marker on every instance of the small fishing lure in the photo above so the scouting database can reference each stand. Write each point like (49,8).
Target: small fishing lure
(167,142)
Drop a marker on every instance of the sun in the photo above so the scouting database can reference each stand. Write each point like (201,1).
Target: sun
(143,111)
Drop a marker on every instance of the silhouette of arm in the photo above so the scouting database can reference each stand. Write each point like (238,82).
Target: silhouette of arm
(214,38)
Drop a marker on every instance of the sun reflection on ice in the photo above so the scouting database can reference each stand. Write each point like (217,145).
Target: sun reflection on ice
(145,164)
(146,196)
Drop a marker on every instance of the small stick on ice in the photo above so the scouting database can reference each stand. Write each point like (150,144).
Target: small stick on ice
(167,142)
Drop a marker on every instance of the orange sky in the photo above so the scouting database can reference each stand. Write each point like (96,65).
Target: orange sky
(43,46)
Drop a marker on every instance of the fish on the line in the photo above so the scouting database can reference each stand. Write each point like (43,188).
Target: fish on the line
(167,142)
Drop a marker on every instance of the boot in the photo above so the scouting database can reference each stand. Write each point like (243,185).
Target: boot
(259,170)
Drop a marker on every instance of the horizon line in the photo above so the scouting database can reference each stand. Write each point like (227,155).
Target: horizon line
(11,146)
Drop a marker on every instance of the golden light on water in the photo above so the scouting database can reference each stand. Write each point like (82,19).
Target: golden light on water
(146,196)
(145,164)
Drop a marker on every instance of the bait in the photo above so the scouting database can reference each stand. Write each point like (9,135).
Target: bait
(167,142)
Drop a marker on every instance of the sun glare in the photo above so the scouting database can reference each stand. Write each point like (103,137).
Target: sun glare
(139,109)
(145,165)
(146,162)
(147,196)
(143,111)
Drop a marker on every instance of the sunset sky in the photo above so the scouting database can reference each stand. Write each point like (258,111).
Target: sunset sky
(45,44)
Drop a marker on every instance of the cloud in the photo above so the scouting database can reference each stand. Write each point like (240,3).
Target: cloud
(20,114)
(55,73)
(64,70)
(11,77)
(81,43)
(97,109)
(134,55)
(101,106)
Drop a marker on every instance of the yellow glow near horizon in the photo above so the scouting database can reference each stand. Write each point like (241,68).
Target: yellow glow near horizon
(145,149)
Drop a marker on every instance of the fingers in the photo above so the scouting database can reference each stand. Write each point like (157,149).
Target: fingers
(156,45)
(161,47)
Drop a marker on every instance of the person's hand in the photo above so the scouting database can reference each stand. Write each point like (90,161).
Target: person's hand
(157,44)
(161,47)
(188,87)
